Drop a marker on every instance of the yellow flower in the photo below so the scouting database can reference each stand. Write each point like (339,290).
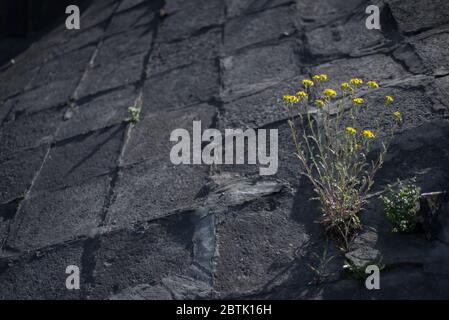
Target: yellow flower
(330,93)
(389,99)
(320,103)
(290,99)
(302,94)
(358,101)
(368,134)
(356,81)
(351,130)
(373,84)
(346,86)
(397,115)
(307,83)
(320,77)
(357,146)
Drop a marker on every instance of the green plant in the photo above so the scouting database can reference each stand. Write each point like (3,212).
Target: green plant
(402,205)
(134,114)
(320,270)
(332,146)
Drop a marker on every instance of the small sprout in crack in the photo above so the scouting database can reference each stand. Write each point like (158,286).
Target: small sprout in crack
(163,13)
(402,205)
(22,195)
(134,114)
(320,270)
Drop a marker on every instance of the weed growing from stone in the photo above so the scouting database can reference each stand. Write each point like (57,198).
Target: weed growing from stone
(401,206)
(320,270)
(333,147)
(134,114)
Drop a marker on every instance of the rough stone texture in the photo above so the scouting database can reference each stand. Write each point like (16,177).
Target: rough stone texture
(18,170)
(258,68)
(416,15)
(180,87)
(28,131)
(171,55)
(432,50)
(259,27)
(99,112)
(75,161)
(82,185)
(159,126)
(149,190)
(58,216)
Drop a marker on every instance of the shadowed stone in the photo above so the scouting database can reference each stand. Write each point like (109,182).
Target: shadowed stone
(239,7)
(256,243)
(103,111)
(180,22)
(59,216)
(257,69)
(433,51)
(150,190)
(180,87)
(41,275)
(159,127)
(416,15)
(18,170)
(79,160)
(259,27)
(167,56)
(29,131)
(128,258)
(340,39)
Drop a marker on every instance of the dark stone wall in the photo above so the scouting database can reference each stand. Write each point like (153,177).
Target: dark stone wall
(24,18)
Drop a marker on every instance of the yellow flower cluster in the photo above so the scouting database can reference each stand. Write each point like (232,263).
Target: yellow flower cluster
(302,94)
(290,99)
(397,115)
(373,84)
(351,130)
(320,77)
(368,134)
(356,81)
(307,83)
(358,101)
(320,103)
(330,93)
(389,99)
(345,86)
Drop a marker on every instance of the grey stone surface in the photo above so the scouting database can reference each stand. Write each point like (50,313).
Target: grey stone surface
(416,15)
(101,111)
(150,190)
(107,198)
(131,257)
(170,55)
(57,217)
(192,84)
(40,275)
(343,38)
(180,22)
(18,170)
(240,7)
(76,161)
(159,126)
(259,27)
(28,131)
(433,51)
(259,68)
